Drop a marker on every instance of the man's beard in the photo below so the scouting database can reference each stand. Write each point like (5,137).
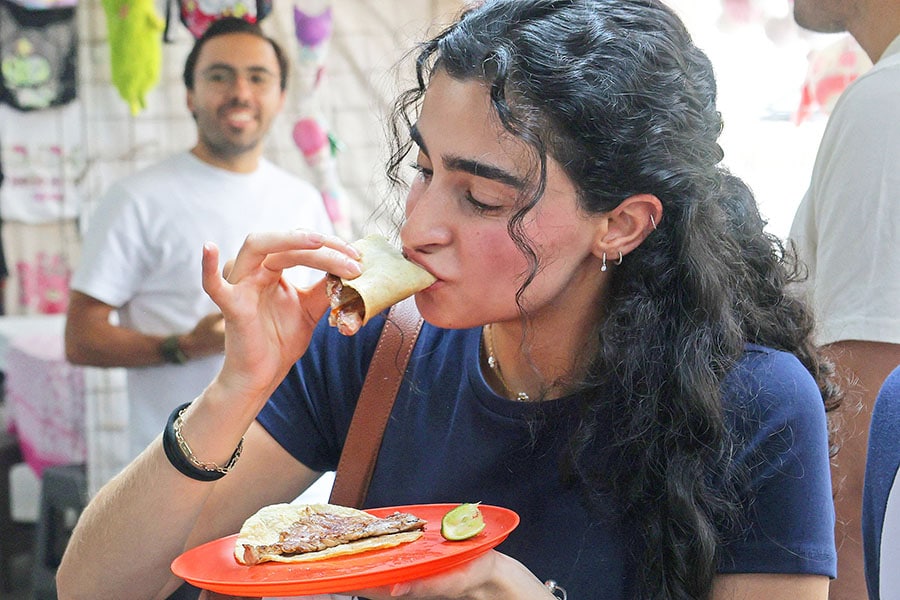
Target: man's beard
(226,148)
(817,19)
(220,144)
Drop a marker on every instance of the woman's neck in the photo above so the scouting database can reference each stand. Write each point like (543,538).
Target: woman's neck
(546,359)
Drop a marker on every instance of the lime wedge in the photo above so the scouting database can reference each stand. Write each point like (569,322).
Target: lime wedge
(462,522)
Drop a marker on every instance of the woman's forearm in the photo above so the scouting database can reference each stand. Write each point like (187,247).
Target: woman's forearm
(140,521)
(128,535)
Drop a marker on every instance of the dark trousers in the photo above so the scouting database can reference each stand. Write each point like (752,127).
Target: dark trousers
(185,592)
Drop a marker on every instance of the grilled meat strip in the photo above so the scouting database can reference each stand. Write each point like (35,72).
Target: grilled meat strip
(347,306)
(319,531)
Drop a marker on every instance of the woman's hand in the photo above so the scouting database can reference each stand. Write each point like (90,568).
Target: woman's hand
(206,338)
(490,576)
(268,322)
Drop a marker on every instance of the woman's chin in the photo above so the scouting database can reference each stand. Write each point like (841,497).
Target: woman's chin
(442,314)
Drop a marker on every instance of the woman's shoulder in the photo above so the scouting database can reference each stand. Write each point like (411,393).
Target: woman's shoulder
(765,380)
(756,355)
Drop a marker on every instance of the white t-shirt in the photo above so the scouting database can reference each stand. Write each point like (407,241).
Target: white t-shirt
(142,254)
(847,228)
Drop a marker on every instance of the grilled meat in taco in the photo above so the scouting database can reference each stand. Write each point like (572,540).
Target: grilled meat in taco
(387,278)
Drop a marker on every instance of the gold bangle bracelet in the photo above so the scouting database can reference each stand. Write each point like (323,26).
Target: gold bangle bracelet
(180,455)
(189,454)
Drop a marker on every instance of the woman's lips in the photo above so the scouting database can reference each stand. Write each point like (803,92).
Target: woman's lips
(430,272)
(411,256)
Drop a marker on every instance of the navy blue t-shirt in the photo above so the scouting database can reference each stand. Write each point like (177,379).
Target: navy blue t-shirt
(882,470)
(450,438)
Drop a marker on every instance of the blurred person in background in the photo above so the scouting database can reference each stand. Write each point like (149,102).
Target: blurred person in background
(142,252)
(847,231)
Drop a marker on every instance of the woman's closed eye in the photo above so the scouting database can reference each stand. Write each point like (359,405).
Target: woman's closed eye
(425,174)
(481,207)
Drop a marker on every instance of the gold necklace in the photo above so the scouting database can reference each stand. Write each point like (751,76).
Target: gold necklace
(494,364)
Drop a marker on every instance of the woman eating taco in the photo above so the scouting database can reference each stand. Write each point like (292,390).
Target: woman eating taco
(609,347)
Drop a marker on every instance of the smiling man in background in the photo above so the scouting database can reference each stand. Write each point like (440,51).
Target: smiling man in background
(141,256)
(847,231)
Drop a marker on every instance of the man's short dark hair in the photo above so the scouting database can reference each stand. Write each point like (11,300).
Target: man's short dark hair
(224,26)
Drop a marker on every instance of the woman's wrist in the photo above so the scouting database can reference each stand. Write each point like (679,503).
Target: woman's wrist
(182,457)
(209,429)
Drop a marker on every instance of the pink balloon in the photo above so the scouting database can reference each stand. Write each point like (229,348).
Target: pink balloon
(309,136)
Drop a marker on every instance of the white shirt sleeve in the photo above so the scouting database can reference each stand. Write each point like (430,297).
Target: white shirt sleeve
(848,226)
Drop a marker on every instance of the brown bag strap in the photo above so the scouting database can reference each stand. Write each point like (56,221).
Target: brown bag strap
(351,482)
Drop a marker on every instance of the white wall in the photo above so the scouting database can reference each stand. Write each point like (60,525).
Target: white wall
(761,60)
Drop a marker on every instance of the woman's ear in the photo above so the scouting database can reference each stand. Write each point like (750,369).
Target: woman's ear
(628,224)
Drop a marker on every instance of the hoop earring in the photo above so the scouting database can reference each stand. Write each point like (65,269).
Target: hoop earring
(653,221)
(603,264)
(619,262)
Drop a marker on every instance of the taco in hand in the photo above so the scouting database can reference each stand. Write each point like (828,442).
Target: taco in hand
(387,278)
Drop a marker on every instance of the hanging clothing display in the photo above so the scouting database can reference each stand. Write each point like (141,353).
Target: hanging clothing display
(197,15)
(40,259)
(45,4)
(43,157)
(135,45)
(38,56)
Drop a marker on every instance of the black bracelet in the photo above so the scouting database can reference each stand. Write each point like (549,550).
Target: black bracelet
(182,458)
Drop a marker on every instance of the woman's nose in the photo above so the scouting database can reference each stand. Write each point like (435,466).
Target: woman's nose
(428,223)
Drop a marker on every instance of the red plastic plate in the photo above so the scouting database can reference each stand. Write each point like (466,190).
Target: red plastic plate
(212,566)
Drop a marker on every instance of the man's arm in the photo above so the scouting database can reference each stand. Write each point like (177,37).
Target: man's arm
(92,340)
(862,367)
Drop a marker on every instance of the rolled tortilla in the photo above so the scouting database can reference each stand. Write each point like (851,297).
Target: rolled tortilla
(387,278)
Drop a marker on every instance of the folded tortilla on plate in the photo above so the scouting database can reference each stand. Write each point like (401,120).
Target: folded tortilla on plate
(306,532)
(387,278)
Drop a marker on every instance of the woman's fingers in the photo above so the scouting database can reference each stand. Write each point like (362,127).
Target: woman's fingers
(212,283)
(226,270)
(280,250)
(458,582)
(324,259)
(315,301)
(276,251)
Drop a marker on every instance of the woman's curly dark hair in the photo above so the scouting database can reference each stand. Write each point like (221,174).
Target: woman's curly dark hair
(616,92)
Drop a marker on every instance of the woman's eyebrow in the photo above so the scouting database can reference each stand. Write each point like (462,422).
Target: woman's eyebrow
(416,137)
(466,165)
(484,170)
